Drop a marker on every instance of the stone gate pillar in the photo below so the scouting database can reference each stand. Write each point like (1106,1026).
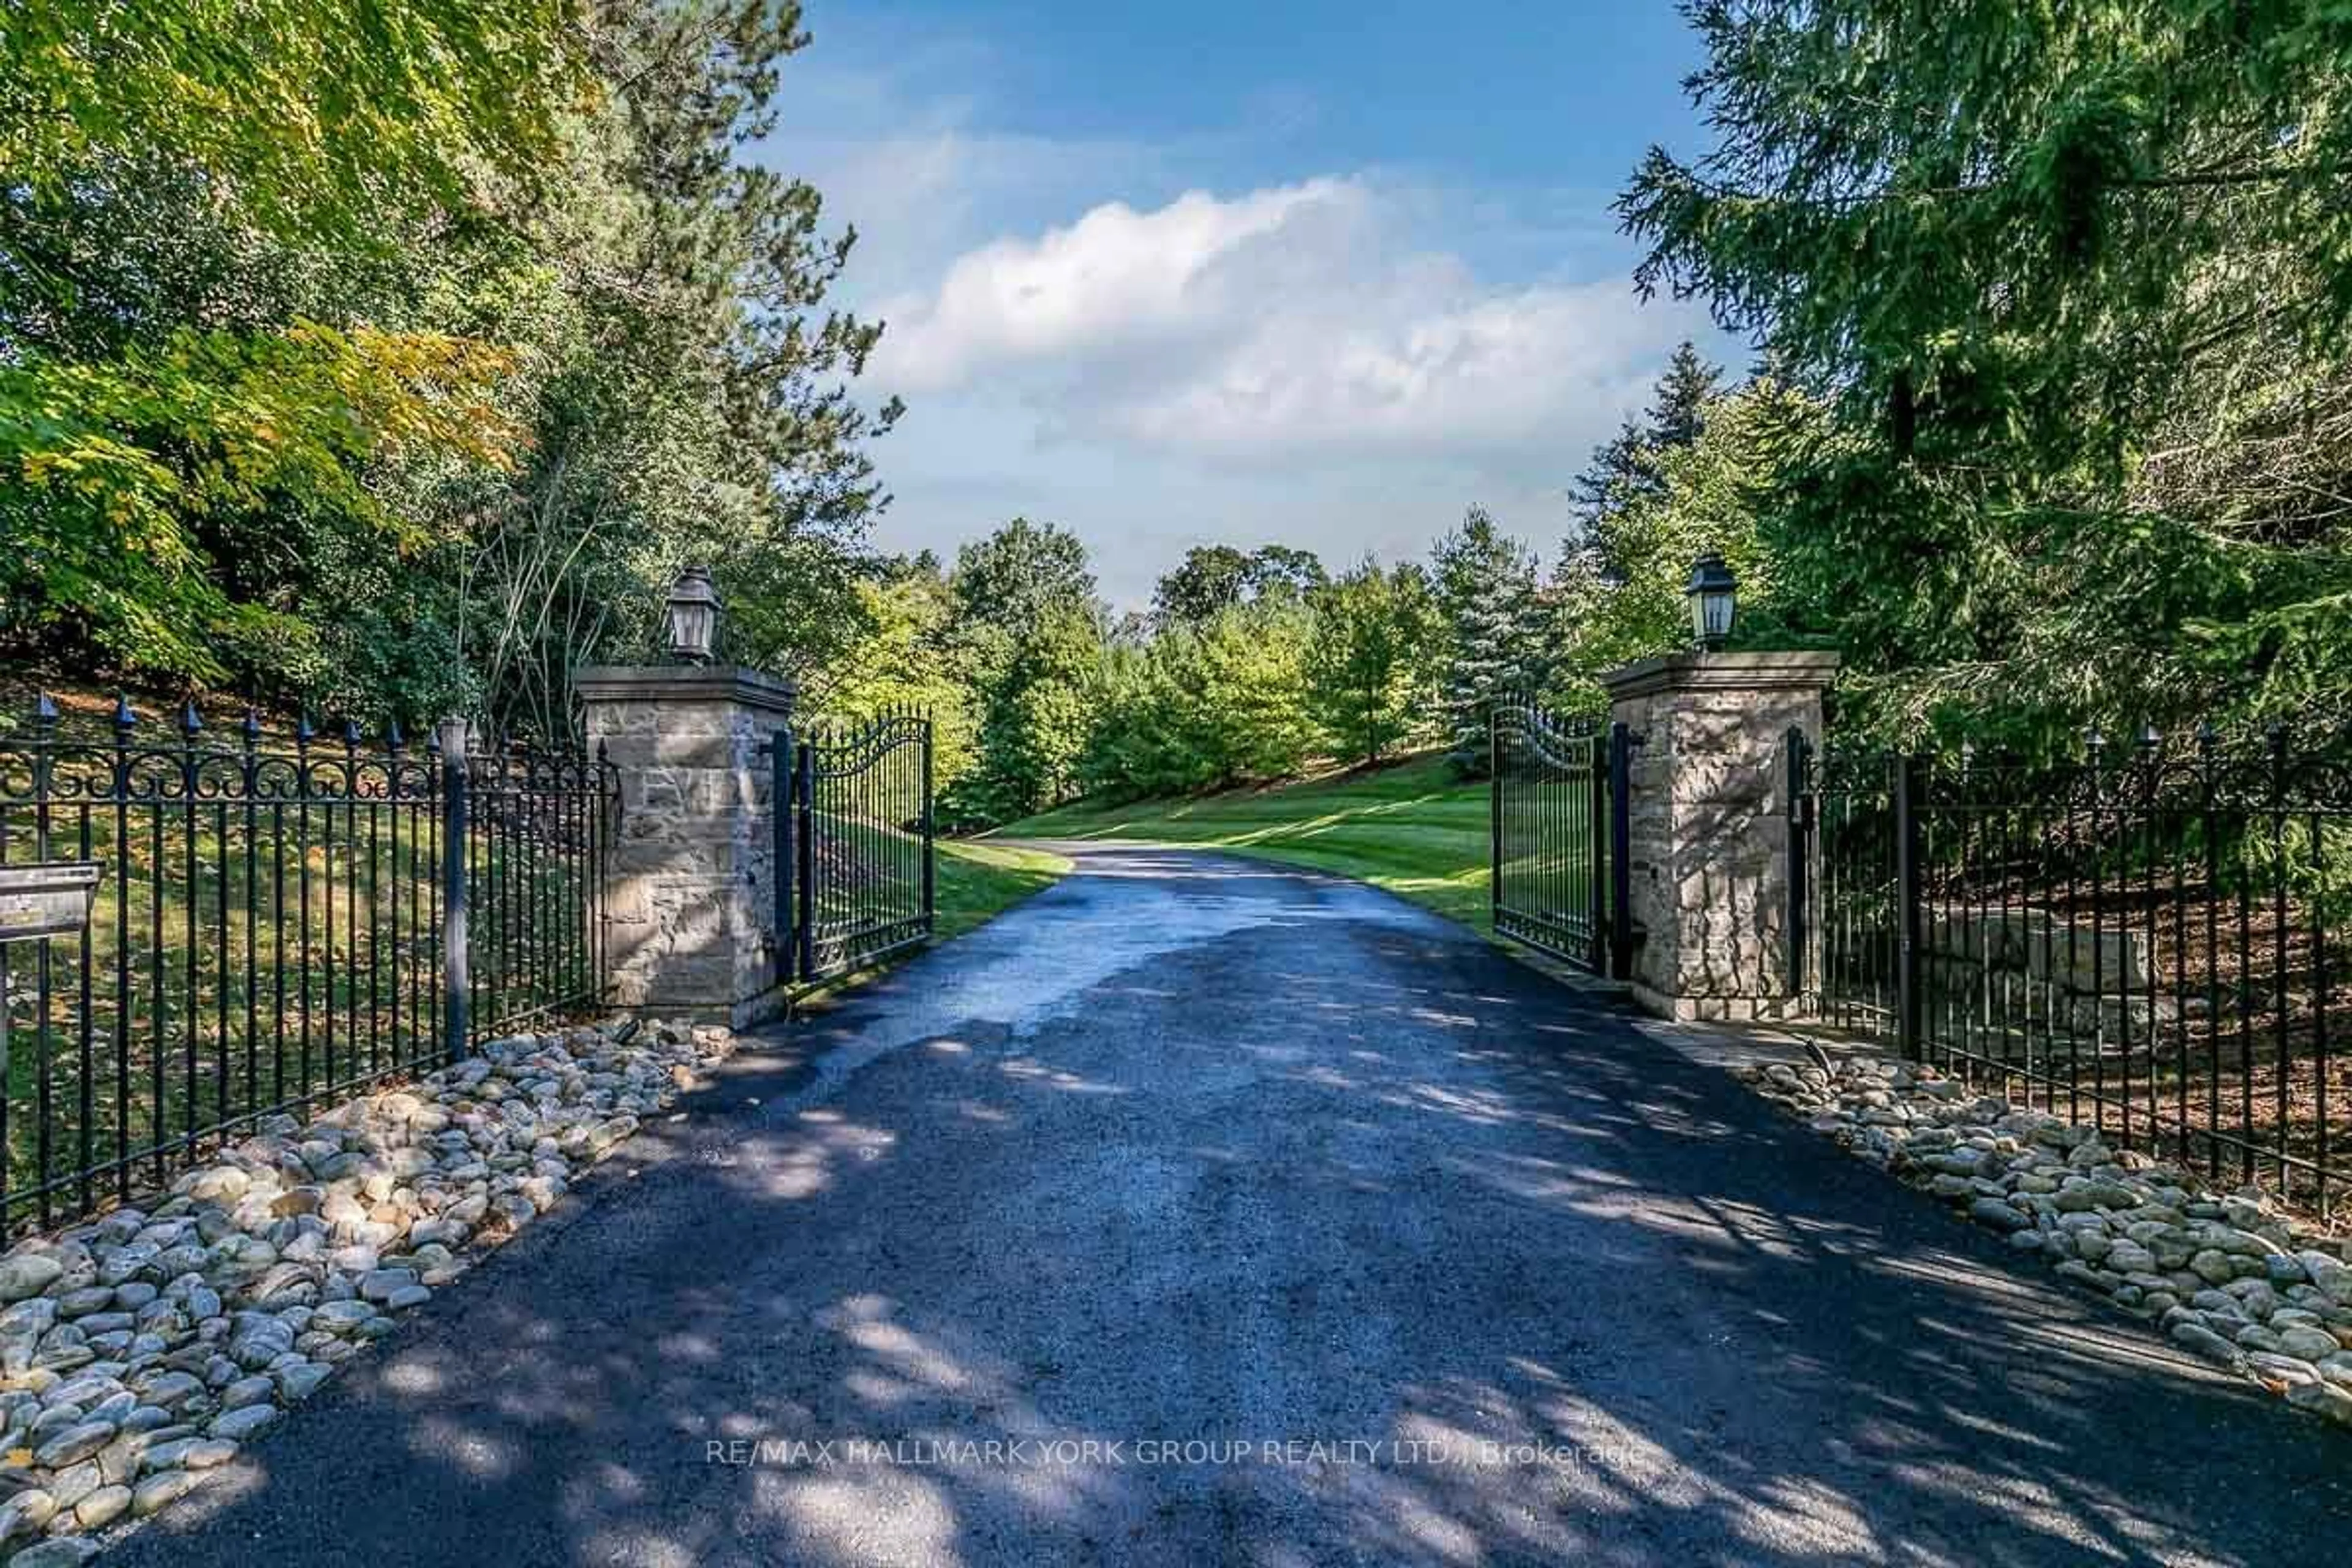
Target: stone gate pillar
(689,894)
(1710,820)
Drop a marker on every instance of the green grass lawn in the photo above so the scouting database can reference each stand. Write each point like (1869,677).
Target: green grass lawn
(1411,828)
(978,880)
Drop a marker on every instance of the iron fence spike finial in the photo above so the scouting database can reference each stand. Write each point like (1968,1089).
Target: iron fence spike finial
(2149,737)
(190,721)
(44,711)
(391,742)
(351,733)
(2206,734)
(303,732)
(251,728)
(124,718)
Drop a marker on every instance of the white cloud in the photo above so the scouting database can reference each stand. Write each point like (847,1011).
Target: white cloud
(1114,279)
(1299,318)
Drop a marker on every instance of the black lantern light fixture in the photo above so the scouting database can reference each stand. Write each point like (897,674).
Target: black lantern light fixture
(1713,596)
(693,615)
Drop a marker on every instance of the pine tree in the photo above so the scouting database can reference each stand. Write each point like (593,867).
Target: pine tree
(1626,466)
(1678,410)
(1487,588)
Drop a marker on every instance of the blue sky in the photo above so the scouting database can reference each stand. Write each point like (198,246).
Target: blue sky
(1301,270)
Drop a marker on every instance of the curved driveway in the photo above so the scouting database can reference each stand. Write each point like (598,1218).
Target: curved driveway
(1192,1151)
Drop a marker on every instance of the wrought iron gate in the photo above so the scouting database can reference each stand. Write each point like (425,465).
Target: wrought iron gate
(855,858)
(1559,860)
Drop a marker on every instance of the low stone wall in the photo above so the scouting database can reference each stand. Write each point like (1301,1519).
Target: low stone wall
(2226,1273)
(2031,975)
(138,1350)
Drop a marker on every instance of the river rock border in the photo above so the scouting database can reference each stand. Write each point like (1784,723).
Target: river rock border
(2227,1275)
(138,1350)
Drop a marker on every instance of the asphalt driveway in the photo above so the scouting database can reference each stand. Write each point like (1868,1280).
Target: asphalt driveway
(1201,1212)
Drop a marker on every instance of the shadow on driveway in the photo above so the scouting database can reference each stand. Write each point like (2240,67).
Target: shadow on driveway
(1194,1150)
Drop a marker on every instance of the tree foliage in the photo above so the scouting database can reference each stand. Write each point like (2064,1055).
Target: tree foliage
(313,117)
(1495,630)
(1624,469)
(1028,638)
(394,357)
(904,657)
(1213,578)
(1713,494)
(1371,640)
(2071,286)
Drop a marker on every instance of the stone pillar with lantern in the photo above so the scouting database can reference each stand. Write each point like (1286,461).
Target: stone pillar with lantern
(1709,811)
(692,888)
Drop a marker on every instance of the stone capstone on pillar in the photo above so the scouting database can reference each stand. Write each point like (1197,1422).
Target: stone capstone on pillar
(1708,819)
(689,892)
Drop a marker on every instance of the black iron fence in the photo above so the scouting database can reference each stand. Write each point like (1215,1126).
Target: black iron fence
(275,919)
(2150,939)
(1559,814)
(854,847)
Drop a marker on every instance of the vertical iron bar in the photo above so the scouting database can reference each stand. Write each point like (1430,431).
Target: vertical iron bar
(2278,787)
(249,781)
(327,980)
(608,805)
(41,1003)
(86,1112)
(1906,788)
(45,739)
(1494,815)
(278,965)
(2245,1000)
(2183,1077)
(401,889)
(2060,983)
(302,836)
(1596,846)
(2207,787)
(456,982)
(803,807)
(2319,1042)
(123,1091)
(1799,810)
(2017,916)
(192,1010)
(2098,940)
(220,960)
(2150,851)
(782,766)
(1620,846)
(159,1058)
(374,909)
(930,840)
(436,910)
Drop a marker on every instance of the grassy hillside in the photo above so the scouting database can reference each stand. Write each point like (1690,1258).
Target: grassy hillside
(1411,828)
